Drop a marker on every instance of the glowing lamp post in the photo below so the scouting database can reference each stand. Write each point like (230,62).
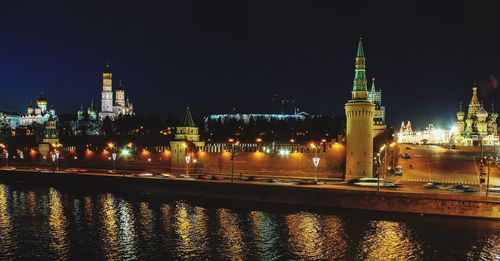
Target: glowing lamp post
(53,157)
(57,160)
(315,163)
(113,156)
(188,159)
(6,154)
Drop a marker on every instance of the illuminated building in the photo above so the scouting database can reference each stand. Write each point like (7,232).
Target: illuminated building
(50,135)
(299,116)
(359,130)
(111,109)
(477,126)
(375,97)
(429,135)
(37,114)
(9,120)
(187,141)
(86,122)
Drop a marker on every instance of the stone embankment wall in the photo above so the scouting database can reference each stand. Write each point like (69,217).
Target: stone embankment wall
(391,201)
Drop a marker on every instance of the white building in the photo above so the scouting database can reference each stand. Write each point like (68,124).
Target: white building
(109,108)
(9,120)
(429,135)
(37,114)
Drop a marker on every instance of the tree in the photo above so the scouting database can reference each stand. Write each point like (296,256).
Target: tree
(107,126)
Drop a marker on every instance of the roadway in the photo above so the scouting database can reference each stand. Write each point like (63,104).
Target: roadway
(432,163)
(405,187)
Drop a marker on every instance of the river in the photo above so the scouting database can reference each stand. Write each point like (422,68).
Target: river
(64,224)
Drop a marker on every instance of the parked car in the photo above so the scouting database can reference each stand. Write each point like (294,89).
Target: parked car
(408,148)
(434,185)
(273,181)
(406,155)
(145,174)
(494,189)
(398,170)
(251,178)
(184,176)
(203,177)
(217,177)
(166,175)
(462,188)
(373,182)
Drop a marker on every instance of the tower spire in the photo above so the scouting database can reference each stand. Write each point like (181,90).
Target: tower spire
(474,99)
(188,119)
(360,52)
(359,90)
(373,85)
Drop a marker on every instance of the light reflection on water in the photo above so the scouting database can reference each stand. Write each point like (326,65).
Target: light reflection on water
(59,225)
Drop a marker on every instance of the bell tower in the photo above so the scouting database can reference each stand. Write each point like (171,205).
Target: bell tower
(359,130)
(107,93)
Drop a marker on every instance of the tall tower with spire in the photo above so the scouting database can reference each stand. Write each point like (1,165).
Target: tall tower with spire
(359,130)
(107,93)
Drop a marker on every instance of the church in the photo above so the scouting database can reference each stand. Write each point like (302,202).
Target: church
(113,105)
(38,114)
(477,125)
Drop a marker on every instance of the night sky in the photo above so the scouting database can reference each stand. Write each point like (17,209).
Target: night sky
(218,55)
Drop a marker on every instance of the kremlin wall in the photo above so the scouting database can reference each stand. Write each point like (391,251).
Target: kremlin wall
(349,157)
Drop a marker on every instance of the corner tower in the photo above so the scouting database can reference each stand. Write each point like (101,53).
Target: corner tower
(359,130)
(186,142)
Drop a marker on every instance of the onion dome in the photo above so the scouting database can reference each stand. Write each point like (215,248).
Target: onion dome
(91,110)
(41,101)
(80,111)
(482,112)
(493,114)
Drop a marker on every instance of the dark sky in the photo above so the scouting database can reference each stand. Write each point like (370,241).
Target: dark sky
(217,55)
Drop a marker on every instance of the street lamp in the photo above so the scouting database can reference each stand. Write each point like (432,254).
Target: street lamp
(188,159)
(233,154)
(57,160)
(6,154)
(315,161)
(490,159)
(111,146)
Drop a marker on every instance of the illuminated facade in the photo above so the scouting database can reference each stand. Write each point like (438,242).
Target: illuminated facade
(187,141)
(86,122)
(359,130)
(477,126)
(120,106)
(9,120)
(299,116)
(429,135)
(38,114)
(375,97)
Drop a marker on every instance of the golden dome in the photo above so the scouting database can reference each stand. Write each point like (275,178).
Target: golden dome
(41,101)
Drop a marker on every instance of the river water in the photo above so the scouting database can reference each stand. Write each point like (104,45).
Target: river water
(61,224)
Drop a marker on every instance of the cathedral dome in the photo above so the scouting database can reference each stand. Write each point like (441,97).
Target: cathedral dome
(91,111)
(493,115)
(460,114)
(41,101)
(482,112)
